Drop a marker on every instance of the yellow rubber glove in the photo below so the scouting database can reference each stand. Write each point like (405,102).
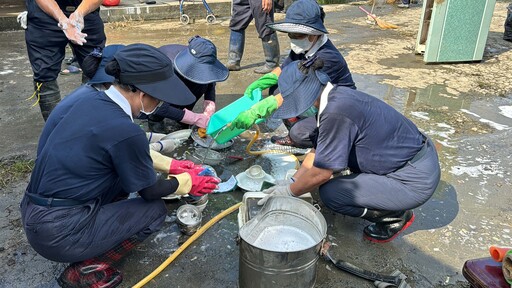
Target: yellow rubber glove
(161,163)
(168,165)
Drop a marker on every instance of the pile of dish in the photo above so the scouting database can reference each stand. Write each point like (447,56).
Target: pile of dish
(209,142)
(253,179)
(181,135)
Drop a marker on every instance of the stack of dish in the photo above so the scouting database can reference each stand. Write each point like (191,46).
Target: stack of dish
(253,178)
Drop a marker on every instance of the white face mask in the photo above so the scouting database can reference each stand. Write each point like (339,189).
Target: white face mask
(300,45)
(148,113)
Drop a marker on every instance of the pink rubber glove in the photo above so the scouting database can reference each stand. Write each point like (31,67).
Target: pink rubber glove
(191,118)
(182,166)
(208,108)
(202,185)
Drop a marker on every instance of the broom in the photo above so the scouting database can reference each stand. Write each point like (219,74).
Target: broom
(382,24)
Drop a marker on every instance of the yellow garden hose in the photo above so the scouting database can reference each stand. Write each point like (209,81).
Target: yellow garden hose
(256,153)
(186,244)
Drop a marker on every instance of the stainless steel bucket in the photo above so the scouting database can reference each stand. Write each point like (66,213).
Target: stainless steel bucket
(280,246)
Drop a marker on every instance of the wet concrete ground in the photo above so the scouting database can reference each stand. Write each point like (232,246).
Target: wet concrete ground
(469,211)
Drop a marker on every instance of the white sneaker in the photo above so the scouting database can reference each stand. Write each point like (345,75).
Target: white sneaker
(402,5)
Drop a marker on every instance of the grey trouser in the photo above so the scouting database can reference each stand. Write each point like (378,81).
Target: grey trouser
(243,13)
(404,189)
(77,233)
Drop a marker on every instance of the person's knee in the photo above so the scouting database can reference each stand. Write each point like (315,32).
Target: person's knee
(329,197)
(299,137)
(159,212)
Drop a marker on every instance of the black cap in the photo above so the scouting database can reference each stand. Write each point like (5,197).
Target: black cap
(152,72)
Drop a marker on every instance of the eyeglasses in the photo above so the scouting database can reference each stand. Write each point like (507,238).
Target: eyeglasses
(297,36)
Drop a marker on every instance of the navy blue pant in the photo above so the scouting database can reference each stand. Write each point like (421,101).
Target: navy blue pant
(73,234)
(246,10)
(46,42)
(304,132)
(404,189)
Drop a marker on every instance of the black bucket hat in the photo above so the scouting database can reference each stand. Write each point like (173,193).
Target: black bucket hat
(152,72)
(300,86)
(199,62)
(303,17)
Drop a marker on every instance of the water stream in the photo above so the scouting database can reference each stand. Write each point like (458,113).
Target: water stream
(211,143)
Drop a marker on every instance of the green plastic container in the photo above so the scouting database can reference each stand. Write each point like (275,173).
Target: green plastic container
(227,114)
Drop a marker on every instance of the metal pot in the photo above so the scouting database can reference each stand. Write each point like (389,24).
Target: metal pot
(280,246)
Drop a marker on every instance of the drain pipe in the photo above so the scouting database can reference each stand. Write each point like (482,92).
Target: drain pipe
(186,244)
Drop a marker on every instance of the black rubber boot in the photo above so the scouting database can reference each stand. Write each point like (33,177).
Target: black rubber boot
(271,51)
(236,49)
(507,35)
(48,94)
(387,224)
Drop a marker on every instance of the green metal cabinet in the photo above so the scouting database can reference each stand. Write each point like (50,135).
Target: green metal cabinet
(454,30)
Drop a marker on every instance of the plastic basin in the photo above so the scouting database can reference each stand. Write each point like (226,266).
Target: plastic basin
(227,114)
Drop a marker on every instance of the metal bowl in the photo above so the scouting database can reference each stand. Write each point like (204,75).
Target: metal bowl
(212,157)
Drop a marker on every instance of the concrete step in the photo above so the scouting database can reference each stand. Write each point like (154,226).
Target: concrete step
(131,10)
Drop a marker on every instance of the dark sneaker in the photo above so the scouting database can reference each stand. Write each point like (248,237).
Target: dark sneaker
(285,141)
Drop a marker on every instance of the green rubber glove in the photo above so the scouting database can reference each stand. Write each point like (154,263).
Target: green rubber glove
(259,110)
(265,81)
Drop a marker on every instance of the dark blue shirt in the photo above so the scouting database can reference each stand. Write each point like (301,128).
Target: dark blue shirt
(335,65)
(90,148)
(364,133)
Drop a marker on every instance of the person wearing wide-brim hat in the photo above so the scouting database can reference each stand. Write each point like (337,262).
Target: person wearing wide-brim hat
(199,69)
(90,156)
(308,38)
(394,167)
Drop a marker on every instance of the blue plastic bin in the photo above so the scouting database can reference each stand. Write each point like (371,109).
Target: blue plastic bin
(227,114)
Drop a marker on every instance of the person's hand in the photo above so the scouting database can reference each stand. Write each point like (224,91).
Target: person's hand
(208,108)
(72,32)
(191,118)
(78,20)
(154,137)
(202,185)
(264,82)
(266,5)
(262,109)
(182,166)
(165,146)
(276,191)
(284,182)
(195,185)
